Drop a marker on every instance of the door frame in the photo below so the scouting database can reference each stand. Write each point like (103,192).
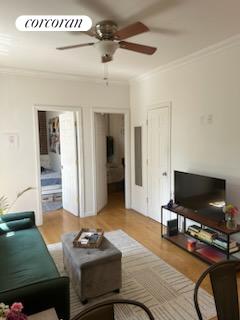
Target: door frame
(159,106)
(127,155)
(78,116)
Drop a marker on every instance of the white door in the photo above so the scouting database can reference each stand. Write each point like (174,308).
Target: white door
(101,161)
(68,143)
(158,161)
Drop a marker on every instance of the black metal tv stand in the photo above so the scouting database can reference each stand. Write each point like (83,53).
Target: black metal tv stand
(203,250)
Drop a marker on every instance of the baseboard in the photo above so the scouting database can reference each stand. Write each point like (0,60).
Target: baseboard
(138,210)
(89,213)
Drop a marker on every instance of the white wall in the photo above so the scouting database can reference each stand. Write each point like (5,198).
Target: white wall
(207,86)
(18,95)
(54,158)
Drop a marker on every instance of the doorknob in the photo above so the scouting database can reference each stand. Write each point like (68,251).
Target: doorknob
(164,173)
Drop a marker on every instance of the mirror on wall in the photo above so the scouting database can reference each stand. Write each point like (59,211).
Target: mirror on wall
(138,155)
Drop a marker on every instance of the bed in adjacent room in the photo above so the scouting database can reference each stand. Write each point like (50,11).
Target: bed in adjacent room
(51,186)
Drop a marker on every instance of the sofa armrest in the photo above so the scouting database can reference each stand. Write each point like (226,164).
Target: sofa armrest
(52,293)
(18,216)
(16,225)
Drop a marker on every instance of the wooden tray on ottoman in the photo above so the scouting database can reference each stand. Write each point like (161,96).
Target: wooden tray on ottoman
(78,244)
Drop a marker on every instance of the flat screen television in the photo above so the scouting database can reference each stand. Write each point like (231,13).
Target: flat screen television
(203,194)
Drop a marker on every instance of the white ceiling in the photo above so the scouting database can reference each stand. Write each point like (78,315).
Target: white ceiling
(178,28)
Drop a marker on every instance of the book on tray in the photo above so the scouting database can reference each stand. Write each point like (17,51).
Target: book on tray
(89,237)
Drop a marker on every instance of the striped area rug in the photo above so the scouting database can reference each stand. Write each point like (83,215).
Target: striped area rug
(148,279)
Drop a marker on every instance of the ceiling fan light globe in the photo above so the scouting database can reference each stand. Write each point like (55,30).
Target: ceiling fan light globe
(106,47)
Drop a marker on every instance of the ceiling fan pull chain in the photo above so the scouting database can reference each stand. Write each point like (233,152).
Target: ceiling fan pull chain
(105,73)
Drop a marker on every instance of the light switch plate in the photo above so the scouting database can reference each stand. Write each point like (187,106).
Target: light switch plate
(11,140)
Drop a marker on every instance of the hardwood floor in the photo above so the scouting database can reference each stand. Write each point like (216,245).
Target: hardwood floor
(141,228)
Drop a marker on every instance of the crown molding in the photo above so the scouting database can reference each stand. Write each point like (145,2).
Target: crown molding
(210,50)
(220,46)
(58,76)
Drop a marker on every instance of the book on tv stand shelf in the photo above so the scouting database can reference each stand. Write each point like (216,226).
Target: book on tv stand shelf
(172,227)
(211,254)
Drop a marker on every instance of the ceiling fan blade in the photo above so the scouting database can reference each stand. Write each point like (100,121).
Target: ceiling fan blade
(131,30)
(76,46)
(137,47)
(106,59)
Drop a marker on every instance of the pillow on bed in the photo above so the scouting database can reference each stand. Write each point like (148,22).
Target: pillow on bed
(15,225)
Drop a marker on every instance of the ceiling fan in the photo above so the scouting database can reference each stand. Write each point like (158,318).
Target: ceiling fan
(110,39)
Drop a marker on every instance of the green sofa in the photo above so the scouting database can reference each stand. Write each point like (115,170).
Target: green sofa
(28,273)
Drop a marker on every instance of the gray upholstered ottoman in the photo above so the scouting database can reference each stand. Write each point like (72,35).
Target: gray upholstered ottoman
(93,272)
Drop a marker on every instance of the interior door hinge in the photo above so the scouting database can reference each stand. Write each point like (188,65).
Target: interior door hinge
(147,122)
(147,199)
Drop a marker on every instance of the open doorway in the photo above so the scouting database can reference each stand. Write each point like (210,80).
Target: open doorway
(50,160)
(58,161)
(110,159)
(115,153)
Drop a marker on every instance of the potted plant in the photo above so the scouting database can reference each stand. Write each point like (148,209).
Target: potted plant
(230,216)
(4,204)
